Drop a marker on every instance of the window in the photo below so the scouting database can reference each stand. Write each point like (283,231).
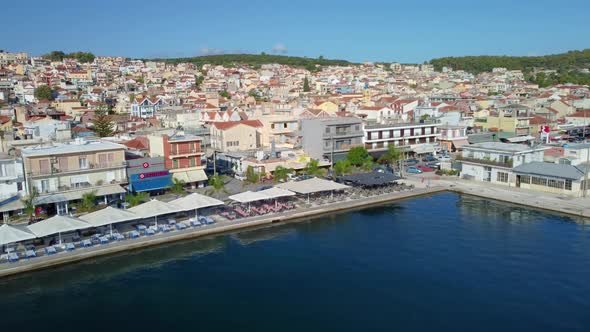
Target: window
(285,125)
(538,181)
(175,163)
(525,179)
(102,160)
(83,162)
(555,184)
(193,162)
(568,184)
(63,163)
(19,186)
(327,130)
(272,126)
(44,166)
(357,127)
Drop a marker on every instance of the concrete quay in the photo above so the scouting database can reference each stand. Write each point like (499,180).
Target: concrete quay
(62,258)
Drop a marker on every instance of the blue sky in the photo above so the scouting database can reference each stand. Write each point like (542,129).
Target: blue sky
(368,30)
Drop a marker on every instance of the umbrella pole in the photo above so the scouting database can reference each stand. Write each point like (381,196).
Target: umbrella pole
(111,226)
(307,198)
(156,219)
(59,236)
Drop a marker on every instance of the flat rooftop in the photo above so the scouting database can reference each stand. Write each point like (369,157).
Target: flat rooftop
(503,147)
(71,148)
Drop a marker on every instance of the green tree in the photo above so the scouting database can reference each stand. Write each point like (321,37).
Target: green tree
(44,92)
(136,199)
(199,80)
(103,124)
(313,168)
(306,85)
(29,203)
(341,167)
(357,156)
(251,175)
(225,94)
(217,183)
(392,156)
(88,202)
(281,173)
(177,186)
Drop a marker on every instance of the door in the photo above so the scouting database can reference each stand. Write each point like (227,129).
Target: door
(518,181)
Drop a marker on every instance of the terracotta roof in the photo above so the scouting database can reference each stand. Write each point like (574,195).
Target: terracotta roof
(138,143)
(230,124)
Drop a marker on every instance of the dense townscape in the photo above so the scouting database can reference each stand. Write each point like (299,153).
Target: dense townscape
(82,134)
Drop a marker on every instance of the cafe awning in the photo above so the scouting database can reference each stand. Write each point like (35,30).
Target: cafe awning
(191,176)
(154,208)
(152,184)
(195,201)
(460,142)
(312,185)
(57,224)
(13,234)
(108,216)
(77,194)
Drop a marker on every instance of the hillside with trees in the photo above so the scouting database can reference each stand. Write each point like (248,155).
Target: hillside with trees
(567,66)
(83,57)
(256,60)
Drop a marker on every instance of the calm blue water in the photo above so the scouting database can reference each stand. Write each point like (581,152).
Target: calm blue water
(439,263)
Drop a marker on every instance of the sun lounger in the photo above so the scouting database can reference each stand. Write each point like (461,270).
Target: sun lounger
(150,232)
(209,220)
(134,234)
(118,237)
(13,257)
(50,250)
(86,243)
(165,228)
(141,228)
(171,222)
(195,223)
(180,226)
(103,240)
(30,253)
(70,247)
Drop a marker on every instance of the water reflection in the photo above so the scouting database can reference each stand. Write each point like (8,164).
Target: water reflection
(109,267)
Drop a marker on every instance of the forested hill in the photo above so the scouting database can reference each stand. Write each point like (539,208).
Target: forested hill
(571,60)
(256,60)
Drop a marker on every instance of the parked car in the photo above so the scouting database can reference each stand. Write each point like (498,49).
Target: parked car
(413,170)
(411,161)
(429,158)
(425,168)
(444,158)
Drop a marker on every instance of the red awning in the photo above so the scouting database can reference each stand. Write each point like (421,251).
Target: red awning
(460,142)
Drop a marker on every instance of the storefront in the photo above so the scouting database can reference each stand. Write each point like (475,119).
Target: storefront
(148,174)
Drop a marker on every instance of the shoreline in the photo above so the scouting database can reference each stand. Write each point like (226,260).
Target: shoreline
(499,194)
(47,262)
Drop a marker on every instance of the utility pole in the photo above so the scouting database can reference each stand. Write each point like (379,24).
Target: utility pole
(585,188)
(332,153)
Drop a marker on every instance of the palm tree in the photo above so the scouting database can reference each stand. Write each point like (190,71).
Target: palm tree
(341,167)
(29,203)
(136,199)
(313,168)
(217,185)
(281,173)
(177,187)
(88,202)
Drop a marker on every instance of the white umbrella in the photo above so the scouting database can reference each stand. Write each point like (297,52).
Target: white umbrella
(11,234)
(57,225)
(108,216)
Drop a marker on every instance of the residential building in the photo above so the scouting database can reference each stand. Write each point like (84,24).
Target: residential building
(183,156)
(452,138)
(553,178)
(331,138)
(417,137)
(143,107)
(511,118)
(494,161)
(63,173)
(235,135)
(281,130)
(12,185)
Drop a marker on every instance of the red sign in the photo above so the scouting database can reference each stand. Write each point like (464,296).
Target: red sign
(153,174)
(146,165)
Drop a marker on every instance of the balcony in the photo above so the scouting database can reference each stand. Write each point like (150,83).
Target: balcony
(91,168)
(485,161)
(191,152)
(341,147)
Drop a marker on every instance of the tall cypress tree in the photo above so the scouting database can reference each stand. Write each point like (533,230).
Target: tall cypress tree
(103,124)
(306,85)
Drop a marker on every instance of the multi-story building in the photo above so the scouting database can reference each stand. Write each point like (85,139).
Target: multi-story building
(331,138)
(513,118)
(146,107)
(61,174)
(183,156)
(494,161)
(452,138)
(415,136)
(148,174)
(12,185)
(235,135)
(280,129)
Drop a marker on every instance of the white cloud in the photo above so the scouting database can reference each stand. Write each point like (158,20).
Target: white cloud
(280,48)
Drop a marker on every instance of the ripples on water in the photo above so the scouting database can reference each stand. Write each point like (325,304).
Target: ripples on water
(443,262)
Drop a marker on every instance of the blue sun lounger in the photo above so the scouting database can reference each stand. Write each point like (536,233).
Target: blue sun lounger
(50,250)
(150,232)
(103,240)
(180,226)
(134,234)
(70,247)
(210,220)
(13,257)
(118,237)
(31,253)
(86,243)
(195,223)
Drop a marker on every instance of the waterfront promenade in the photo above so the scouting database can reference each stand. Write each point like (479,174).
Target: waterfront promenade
(302,213)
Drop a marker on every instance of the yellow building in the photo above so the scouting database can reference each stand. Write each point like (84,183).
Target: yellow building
(511,118)
(327,106)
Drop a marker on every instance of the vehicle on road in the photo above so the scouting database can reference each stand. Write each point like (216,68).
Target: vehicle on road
(429,158)
(425,168)
(411,161)
(413,170)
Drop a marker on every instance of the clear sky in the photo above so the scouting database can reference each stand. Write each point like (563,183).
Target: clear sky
(364,30)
